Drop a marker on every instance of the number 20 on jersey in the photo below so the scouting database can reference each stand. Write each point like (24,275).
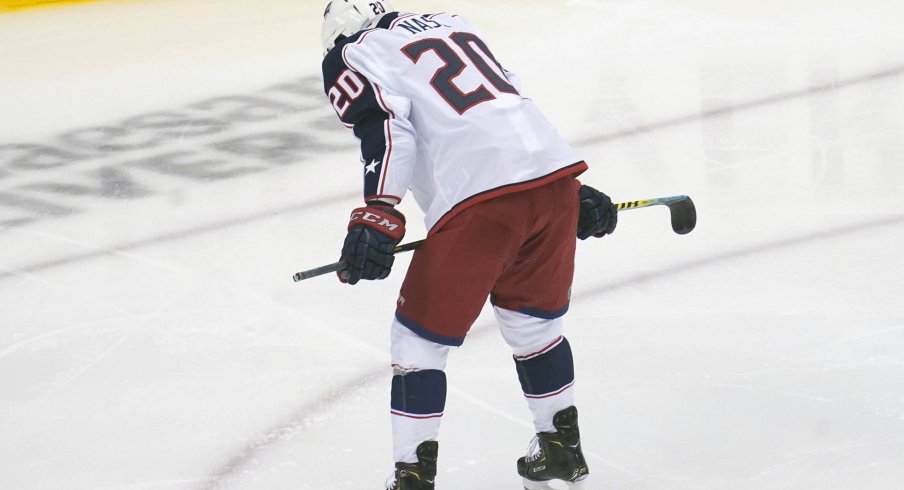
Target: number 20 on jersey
(349,86)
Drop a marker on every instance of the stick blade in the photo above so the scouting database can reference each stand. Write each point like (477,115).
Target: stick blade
(684,215)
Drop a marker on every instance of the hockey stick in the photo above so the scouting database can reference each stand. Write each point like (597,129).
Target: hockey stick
(681,208)
(336,266)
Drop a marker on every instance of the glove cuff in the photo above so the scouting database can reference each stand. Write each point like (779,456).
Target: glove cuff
(383,218)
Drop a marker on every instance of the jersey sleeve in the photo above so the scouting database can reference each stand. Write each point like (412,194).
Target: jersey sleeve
(380,122)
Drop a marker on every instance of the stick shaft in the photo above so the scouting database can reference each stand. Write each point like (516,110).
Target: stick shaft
(407,247)
(645,203)
(337,266)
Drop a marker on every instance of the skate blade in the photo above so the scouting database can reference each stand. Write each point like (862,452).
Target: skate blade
(555,485)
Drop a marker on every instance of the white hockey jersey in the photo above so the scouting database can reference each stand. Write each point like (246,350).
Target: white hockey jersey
(436,114)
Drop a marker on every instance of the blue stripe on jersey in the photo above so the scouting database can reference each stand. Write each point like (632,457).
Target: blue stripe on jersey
(548,372)
(427,334)
(361,110)
(387,19)
(419,392)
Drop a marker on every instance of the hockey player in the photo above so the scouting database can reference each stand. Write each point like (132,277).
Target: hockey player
(437,115)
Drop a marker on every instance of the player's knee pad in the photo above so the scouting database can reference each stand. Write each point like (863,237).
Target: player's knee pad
(527,334)
(411,352)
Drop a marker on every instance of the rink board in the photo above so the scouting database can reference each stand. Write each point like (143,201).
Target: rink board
(18,5)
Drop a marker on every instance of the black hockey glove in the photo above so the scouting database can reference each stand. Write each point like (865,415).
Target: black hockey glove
(598,216)
(373,233)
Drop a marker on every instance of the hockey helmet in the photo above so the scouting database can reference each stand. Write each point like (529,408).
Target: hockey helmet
(343,18)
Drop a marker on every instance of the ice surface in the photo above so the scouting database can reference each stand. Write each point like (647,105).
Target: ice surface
(166,166)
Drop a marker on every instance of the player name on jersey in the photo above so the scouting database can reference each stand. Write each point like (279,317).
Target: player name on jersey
(417,25)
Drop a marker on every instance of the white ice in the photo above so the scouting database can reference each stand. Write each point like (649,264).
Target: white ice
(155,340)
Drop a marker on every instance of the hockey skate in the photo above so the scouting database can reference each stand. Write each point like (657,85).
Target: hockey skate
(416,476)
(554,459)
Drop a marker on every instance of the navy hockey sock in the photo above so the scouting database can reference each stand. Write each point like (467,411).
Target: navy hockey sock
(546,379)
(418,401)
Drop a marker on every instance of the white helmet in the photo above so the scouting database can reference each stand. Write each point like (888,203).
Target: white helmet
(343,18)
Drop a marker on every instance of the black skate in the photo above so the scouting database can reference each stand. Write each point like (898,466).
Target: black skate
(416,476)
(555,456)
